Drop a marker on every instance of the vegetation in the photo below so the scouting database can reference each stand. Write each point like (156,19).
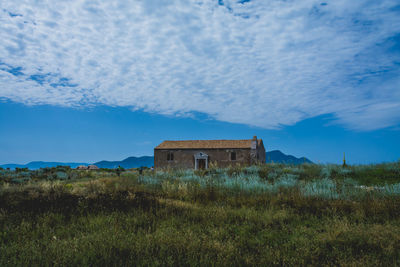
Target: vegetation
(259,215)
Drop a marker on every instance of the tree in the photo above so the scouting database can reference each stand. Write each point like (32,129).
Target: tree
(119,170)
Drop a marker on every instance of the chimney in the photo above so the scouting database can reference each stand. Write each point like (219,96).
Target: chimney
(254,142)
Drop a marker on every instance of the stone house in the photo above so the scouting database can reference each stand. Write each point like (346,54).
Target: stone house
(90,167)
(82,167)
(93,167)
(198,154)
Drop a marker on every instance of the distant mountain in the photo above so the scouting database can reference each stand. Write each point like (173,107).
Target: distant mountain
(278,157)
(146,161)
(131,162)
(34,165)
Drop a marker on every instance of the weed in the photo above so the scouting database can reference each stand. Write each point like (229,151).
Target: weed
(260,215)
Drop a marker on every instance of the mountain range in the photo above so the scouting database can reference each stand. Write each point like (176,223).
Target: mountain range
(131,162)
(146,161)
(278,157)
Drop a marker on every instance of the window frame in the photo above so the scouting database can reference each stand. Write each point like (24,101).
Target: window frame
(233,156)
(170,156)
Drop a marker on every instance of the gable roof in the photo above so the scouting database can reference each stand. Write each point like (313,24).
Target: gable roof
(206,144)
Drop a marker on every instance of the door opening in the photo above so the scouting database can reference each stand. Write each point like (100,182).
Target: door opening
(200,161)
(201,164)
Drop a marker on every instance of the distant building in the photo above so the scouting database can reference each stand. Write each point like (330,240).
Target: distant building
(90,167)
(82,167)
(198,154)
(93,167)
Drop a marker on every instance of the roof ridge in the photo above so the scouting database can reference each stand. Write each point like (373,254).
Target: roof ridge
(206,144)
(209,140)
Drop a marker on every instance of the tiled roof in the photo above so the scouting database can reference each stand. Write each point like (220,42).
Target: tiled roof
(204,144)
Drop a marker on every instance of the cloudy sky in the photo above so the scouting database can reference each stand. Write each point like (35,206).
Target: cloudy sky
(308,68)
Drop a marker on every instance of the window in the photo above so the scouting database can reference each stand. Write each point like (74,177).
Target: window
(233,155)
(170,156)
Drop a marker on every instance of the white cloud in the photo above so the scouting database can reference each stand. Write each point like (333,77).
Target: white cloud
(262,63)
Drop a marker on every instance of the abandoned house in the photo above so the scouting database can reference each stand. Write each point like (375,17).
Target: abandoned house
(199,154)
(90,167)
(82,167)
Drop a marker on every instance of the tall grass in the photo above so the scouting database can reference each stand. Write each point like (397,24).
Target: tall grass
(260,215)
(324,181)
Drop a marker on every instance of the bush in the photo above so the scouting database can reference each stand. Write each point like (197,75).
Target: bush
(20,180)
(61,175)
(379,174)
(265,170)
(234,170)
(310,172)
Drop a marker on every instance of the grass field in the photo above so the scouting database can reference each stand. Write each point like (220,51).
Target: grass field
(259,215)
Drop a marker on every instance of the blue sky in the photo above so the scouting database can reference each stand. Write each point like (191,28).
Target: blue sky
(90,80)
(53,133)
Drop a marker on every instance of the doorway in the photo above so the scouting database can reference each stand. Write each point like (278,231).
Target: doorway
(201,164)
(200,161)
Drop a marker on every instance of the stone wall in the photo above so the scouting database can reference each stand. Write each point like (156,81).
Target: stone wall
(261,153)
(184,158)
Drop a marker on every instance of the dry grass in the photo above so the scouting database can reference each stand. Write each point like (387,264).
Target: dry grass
(125,221)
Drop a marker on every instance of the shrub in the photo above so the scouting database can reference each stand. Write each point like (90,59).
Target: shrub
(201,172)
(235,169)
(265,170)
(61,175)
(376,174)
(310,172)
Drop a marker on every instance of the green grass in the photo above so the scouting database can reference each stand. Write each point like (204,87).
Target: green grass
(259,215)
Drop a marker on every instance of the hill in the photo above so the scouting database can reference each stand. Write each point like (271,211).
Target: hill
(34,165)
(131,162)
(278,157)
(146,161)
